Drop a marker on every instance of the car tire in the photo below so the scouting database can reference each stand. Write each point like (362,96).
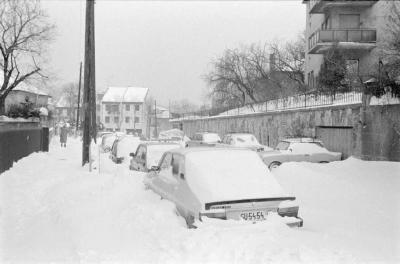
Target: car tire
(274,165)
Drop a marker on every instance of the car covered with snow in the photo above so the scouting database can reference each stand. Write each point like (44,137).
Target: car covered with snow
(215,183)
(204,139)
(149,154)
(299,149)
(123,146)
(107,141)
(244,140)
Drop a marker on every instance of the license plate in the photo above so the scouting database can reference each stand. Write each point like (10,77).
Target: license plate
(253,215)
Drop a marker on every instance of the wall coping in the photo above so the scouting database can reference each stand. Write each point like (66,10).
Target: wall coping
(333,107)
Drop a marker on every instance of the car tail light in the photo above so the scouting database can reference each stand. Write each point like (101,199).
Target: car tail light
(288,211)
(221,214)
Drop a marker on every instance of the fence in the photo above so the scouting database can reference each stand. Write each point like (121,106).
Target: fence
(301,101)
(19,139)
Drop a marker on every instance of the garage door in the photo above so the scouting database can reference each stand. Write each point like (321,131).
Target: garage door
(338,139)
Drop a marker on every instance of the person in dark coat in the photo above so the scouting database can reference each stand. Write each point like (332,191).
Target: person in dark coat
(63,135)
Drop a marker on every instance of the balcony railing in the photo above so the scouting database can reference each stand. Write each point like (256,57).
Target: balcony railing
(330,36)
(319,6)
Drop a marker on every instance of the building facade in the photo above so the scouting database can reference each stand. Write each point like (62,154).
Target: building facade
(358,29)
(123,109)
(25,92)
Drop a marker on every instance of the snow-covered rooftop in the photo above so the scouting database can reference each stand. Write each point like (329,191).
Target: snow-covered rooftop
(29,89)
(125,94)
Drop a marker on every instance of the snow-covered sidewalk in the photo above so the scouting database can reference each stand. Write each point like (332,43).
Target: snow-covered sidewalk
(52,209)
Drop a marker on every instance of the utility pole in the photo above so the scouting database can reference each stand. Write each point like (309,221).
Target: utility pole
(155,118)
(89,85)
(79,96)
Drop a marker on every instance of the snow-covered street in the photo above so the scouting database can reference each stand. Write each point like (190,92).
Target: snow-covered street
(53,210)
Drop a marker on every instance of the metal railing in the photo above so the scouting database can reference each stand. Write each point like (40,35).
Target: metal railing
(300,101)
(342,35)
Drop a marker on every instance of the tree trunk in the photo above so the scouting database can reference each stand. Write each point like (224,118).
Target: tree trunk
(2,105)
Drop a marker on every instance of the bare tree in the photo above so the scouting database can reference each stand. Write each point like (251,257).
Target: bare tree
(231,77)
(257,73)
(24,31)
(290,60)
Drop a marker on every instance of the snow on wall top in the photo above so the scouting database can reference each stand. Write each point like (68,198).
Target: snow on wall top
(125,94)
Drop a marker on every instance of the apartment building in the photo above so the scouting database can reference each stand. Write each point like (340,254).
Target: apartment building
(357,28)
(123,109)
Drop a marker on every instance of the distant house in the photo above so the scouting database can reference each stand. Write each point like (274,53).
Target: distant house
(162,123)
(123,109)
(66,110)
(24,92)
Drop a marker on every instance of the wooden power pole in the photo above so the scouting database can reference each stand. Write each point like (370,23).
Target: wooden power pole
(79,97)
(89,85)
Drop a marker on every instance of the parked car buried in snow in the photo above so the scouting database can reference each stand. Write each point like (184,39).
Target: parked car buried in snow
(204,139)
(244,140)
(148,154)
(225,183)
(299,149)
(123,146)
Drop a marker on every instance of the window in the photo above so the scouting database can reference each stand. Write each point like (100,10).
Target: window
(137,119)
(116,119)
(127,108)
(115,108)
(107,119)
(127,119)
(108,108)
(166,162)
(137,107)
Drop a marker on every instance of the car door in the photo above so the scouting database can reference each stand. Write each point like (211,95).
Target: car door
(186,202)
(298,154)
(164,182)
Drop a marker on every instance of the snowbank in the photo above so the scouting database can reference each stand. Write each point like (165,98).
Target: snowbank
(53,210)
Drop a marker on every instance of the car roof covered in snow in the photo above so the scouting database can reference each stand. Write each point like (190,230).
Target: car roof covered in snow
(125,95)
(184,151)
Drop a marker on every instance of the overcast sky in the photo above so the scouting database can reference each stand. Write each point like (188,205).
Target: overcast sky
(164,45)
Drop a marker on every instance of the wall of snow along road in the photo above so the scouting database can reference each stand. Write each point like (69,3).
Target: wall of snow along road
(53,210)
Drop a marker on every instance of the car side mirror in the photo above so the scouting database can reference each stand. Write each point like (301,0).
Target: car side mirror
(132,154)
(154,168)
(182,176)
(291,150)
(219,141)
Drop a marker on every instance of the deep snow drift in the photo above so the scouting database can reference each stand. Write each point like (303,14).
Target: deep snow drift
(51,209)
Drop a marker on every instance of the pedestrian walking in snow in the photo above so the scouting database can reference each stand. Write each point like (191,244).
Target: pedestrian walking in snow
(63,135)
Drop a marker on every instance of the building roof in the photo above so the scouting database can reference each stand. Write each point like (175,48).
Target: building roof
(125,95)
(25,87)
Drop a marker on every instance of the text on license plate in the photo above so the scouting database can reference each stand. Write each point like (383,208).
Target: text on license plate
(253,215)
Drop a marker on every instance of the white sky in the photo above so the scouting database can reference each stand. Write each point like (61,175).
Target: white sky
(164,45)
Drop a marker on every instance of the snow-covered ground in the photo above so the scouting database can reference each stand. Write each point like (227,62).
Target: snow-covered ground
(53,210)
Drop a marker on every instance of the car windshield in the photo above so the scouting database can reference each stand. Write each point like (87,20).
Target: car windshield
(283,145)
(155,152)
(211,138)
(246,139)
(221,175)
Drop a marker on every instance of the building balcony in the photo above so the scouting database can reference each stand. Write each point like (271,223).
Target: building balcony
(321,6)
(348,39)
